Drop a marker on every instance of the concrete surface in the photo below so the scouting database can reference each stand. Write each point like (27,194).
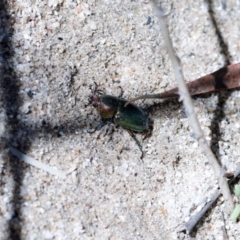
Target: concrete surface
(51,51)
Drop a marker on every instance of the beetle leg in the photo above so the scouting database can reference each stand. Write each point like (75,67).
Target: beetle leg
(99,127)
(149,131)
(108,127)
(121,93)
(136,140)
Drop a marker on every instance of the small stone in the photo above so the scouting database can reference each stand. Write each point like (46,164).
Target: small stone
(24,68)
(56,25)
(93,25)
(25,108)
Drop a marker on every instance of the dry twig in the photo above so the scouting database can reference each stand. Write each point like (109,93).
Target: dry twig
(194,219)
(224,230)
(193,121)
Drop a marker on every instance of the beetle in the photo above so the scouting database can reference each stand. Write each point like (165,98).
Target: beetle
(112,109)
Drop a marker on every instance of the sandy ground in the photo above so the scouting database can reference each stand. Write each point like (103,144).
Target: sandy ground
(51,51)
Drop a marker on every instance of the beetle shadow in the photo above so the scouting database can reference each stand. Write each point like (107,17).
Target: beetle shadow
(168,109)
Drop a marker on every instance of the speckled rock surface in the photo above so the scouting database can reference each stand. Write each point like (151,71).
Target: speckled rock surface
(51,51)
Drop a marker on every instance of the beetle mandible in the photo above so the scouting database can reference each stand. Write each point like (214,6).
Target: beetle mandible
(112,108)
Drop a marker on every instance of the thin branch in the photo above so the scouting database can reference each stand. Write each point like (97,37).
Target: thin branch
(36,163)
(194,219)
(224,230)
(189,108)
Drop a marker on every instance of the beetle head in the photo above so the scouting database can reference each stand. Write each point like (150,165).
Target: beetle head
(94,98)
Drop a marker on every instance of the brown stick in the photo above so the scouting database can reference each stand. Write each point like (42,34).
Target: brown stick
(224,78)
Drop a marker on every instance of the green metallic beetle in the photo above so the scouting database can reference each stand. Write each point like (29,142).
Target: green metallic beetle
(112,108)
